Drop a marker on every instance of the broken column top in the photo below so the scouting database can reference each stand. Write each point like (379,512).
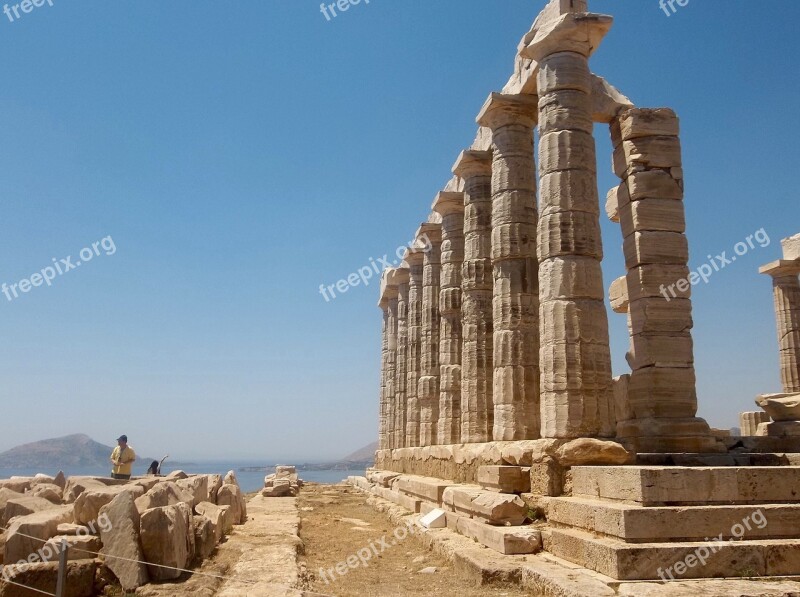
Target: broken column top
(389,286)
(431,231)
(578,32)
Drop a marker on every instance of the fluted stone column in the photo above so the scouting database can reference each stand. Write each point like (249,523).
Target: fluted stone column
(516,267)
(477,408)
(450,205)
(391,295)
(414,259)
(398,437)
(430,236)
(575,359)
(786,292)
(383,425)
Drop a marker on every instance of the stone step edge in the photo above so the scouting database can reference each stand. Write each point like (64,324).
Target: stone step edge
(739,513)
(536,573)
(606,553)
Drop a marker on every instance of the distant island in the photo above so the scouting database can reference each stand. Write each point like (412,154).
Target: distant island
(358,460)
(77,450)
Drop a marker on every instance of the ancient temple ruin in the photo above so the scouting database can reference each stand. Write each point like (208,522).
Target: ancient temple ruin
(496,371)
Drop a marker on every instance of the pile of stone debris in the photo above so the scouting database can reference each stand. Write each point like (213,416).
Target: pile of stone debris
(118,533)
(284,482)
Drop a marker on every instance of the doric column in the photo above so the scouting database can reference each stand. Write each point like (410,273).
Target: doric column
(477,408)
(575,359)
(450,205)
(786,291)
(398,438)
(383,425)
(429,236)
(414,259)
(516,268)
(662,391)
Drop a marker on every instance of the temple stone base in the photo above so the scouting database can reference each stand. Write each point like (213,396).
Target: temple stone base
(779,429)
(691,435)
(461,462)
(667,523)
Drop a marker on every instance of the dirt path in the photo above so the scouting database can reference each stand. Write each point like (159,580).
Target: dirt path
(337,524)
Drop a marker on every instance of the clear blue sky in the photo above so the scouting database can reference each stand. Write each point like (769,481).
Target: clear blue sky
(242,153)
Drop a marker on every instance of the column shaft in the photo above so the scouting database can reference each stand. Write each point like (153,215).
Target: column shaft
(401,372)
(414,353)
(786,290)
(429,236)
(451,207)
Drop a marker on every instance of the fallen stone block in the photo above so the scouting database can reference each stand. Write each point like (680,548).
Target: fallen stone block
(27,534)
(22,506)
(196,486)
(504,540)
(167,536)
(89,503)
(230,495)
(166,493)
(435,519)
(78,547)
(44,577)
(205,537)
(220,517)
(48,491)
(121,547)
(494,508)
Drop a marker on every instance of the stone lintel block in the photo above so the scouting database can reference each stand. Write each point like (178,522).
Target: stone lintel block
(612,203)
(647,153)
(663,392)
(791,247)
(571,32)
(658,184)
(501,110)
(505,479)
(660,316)
(607,100)
(472,162)
(504,540)
(644,122)
(650,350)
(781,268)
(665,215)
(569,190)
(448,203)
(618,295)
(570,233)
(566,150)
(570,278)
(665,248)
(778,429)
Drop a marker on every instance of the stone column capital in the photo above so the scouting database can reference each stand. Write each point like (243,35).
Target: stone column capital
(473,163)
(414,257)
(503,109)
(427,233)
(448,203)
(783,268)
(389,288)
(571,32)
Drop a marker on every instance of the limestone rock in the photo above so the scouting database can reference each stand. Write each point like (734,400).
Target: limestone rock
(60,480)
(176,475)
(18,484)
(230,479)
(214,485)
(165,493)
(6,495)
(781,407)
(231,495)
(22,506)
(219,516)
(589,451)
(44,576)
(26,534)
(77,485)
(121,539)
(205,537)
(89,503)
(167,536)
(197,486)
(83,547)
(49,491)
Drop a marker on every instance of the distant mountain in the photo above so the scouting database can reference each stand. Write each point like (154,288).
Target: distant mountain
(62,452)
(365,454)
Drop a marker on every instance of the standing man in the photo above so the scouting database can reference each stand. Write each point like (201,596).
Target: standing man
(122,458)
